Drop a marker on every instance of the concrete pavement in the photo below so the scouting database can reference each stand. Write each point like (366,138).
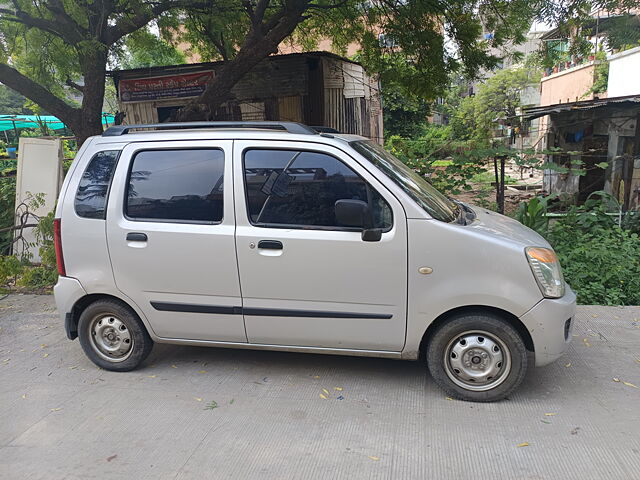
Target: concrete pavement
(196,413)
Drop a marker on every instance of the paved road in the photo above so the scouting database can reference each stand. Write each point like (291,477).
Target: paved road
(63,418)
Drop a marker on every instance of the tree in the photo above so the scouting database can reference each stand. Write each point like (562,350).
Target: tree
(405,114)
(424,41)
(489,120)
(145,49)
(486,115)
(47,45)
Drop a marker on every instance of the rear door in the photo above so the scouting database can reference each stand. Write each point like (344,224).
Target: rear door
(305,279)
(170,232)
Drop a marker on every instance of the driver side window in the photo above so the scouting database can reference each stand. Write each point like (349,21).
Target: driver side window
(300,188)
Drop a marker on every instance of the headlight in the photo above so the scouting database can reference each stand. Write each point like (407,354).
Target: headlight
(546,268)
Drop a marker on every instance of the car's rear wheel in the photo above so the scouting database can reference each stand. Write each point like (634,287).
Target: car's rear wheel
(112,336)
(477,357)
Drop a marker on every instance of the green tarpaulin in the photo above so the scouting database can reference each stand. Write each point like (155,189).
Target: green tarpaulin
(9,122)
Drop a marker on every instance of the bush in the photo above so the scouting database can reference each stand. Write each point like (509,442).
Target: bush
(600,259)
(603,266)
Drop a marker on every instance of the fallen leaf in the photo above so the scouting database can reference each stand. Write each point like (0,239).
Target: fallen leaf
(326,392)
(213,404)
(637,360)
(586,342)
(594,315)
(375,459)
(567,365)
(56,409)
(545,421)
(173,366)
(316,376)
(630,384)
(112,457)
(615,379)
(322,396)
(44,345)
(231,401)
(550,414)
(523,444)
(73,368)
(449,398)
(197,399)
(152,376)
(45,355)
(202,371)
(24,395)
(339,389)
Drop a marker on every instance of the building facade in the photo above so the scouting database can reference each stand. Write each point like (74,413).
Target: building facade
(597,134)
(316,88)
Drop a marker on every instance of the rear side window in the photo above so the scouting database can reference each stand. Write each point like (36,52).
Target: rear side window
(91,197)
(300,188)
(176,186)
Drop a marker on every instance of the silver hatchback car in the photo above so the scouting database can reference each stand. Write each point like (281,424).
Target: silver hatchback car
(273,236)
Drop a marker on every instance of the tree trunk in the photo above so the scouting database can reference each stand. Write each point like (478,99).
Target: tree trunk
(94,72)
(500,181)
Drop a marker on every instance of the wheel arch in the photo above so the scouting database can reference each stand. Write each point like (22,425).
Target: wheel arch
(72,317)
(475,309)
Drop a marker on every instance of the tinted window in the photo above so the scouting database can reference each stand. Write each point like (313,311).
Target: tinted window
(289,187)
(91,197)
(176,185)
(421,191)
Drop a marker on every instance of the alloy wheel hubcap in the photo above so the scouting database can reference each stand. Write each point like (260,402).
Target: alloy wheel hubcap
(477,360)
(110,338)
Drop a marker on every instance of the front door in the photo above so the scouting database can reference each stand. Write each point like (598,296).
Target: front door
(170,231)
(307,280)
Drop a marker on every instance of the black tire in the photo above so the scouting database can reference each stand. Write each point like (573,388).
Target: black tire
(111,320)
(466,338)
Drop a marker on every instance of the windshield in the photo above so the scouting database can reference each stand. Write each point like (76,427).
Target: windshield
(421,191)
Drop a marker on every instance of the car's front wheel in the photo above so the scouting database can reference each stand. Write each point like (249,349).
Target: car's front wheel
(477,357)
(112,336)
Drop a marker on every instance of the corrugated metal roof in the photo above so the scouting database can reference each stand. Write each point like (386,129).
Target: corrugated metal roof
(535,112)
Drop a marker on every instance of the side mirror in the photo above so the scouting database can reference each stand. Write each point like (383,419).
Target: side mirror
(356,213)
(352,213)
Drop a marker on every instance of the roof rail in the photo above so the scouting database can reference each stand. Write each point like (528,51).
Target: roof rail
(290,127)
(323,129)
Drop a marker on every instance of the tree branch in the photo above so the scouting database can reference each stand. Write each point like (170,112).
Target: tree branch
(74,85)
(38,94)
(54,28)
(126,25)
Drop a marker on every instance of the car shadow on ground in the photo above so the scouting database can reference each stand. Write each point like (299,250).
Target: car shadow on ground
(539,383)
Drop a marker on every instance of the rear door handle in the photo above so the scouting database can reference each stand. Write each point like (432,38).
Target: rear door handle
(136,237)
(270,244)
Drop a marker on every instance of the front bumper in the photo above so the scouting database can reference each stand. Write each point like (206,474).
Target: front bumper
(66,293)
(547,324)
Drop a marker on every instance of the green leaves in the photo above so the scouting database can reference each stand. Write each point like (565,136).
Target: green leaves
(533,214)
(600,260)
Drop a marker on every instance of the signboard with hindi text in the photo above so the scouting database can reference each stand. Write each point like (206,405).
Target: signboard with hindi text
(158,88)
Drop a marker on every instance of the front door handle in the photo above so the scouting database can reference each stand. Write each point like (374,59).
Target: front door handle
(270,244)
(136,237)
